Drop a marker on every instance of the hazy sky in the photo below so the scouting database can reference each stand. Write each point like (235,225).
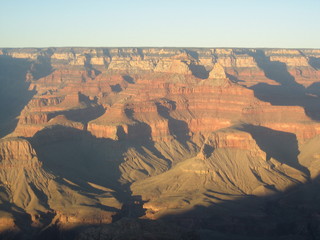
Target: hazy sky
(172,23)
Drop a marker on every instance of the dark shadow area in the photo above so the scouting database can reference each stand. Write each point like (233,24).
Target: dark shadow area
(124,229)
(178,128)
(42,66)
(128,79)
(276,71)
(140,52)
(14,93)
(199,71)
(85,99)
(282,146)
(207,150)
(314,62)
(131,209)
(193,54)
(129,112)
(290,215)
(233,78)
(91,71)
(289,92)
(121,134)
(148,144)
(40,195)
(107,54)
(54,233)
(78,156)
(21,218)
(314,89)
(293,214)
(84,115)
(116,88)
(139,137)
(140,134)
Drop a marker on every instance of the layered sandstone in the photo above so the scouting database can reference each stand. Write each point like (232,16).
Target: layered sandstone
(298,64)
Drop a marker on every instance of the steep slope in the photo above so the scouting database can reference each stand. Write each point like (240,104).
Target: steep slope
(230,164)
(31,191)
(310,156)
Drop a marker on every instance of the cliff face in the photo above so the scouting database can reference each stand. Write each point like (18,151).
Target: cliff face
(182,127)
(47,199)
(200,86)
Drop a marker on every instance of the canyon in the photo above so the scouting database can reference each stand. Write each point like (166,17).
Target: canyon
(166,143)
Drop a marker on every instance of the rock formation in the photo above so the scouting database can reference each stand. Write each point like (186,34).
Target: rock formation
(47,199)
(99,134)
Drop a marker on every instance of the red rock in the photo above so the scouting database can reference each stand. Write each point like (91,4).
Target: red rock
(156,98)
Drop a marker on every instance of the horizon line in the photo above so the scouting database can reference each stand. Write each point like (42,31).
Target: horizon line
(168,47)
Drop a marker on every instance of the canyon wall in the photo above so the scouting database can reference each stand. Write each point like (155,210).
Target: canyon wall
(99,128)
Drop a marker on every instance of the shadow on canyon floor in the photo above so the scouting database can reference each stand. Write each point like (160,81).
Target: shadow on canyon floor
(42,67)
(80,157)
(199,71)
(91,111)
(279,145)
(289,92)
(314,62)
(178,128)
(91,71)
(293,214)
(14,93)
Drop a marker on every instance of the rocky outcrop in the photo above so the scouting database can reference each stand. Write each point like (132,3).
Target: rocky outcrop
(172,66)
(45,198)
(16,152)
(217,72)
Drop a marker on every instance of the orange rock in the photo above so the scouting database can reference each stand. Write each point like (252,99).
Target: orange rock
(217,72)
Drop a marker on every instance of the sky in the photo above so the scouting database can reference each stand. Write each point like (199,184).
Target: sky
(161,23)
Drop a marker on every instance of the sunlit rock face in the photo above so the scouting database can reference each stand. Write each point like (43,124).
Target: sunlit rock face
(94,135)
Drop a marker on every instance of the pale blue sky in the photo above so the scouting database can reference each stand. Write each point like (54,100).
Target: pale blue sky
(171,23)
